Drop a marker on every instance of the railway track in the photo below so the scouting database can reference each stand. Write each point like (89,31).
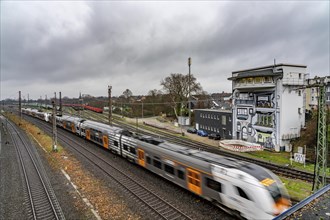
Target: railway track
(157,206)
(40,195)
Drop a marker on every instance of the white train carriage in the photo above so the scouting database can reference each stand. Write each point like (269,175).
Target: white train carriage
(238,187)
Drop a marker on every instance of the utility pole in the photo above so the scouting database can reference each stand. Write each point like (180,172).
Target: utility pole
(142,108)
(80,101)
(45,101)
(60,110)
(189,103)
(19,104)
(28,99)
(321,148)
(110,104)
(54,125)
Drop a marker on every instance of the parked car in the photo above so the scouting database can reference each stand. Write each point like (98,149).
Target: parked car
(202,133)
(192,130)
(214,136)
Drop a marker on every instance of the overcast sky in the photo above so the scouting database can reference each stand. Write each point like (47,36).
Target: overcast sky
(83,47)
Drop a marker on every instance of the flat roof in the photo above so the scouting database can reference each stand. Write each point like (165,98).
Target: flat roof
(214,110)
(271,66)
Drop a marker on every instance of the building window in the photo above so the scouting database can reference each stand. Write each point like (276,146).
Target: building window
(265,120)
(223,121)
(268,79)
(328,98)
(299,92)
(258,79)
(249,80)
(299,75)
(242,111)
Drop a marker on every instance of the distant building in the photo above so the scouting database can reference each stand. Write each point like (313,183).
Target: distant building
(268,104)
(327,94)
(311,100)
(214,121)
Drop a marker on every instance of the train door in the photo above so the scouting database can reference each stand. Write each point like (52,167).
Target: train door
(88,134)
(73,129)
(105,141)
(64,124)
(141,160)
(194,181)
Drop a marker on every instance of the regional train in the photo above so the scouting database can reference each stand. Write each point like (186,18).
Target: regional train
(240,188)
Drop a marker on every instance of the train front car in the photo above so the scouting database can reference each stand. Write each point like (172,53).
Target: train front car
(251,191)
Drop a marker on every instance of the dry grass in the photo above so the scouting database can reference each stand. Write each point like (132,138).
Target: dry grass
(108,203)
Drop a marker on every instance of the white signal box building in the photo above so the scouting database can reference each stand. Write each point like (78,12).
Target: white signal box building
(268,104)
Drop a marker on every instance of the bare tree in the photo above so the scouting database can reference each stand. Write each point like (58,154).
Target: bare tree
(154,97)
(127,93)
(177,86)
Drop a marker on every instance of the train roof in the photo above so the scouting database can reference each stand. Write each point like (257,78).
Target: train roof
(94,124)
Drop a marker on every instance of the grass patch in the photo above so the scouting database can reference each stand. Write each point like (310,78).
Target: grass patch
(297,189)
(45,141)
(281,158)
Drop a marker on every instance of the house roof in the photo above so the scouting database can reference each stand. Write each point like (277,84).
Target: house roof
(270,66)
(268,72)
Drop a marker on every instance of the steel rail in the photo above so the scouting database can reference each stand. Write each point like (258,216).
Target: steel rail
(38,210)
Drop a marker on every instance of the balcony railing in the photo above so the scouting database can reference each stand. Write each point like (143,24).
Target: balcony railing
(254,84)
(294,82)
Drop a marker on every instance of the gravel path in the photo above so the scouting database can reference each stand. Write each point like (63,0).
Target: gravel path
(318,209)
(11,182)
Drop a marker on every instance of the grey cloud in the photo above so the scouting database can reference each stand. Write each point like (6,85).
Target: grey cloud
(136,44)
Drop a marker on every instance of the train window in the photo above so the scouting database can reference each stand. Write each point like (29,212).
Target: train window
(169,169)
(213,184)
(132,150)
(242,193)
(148,160)
(115,143)
(125,147)
(158,164)
(181,174)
